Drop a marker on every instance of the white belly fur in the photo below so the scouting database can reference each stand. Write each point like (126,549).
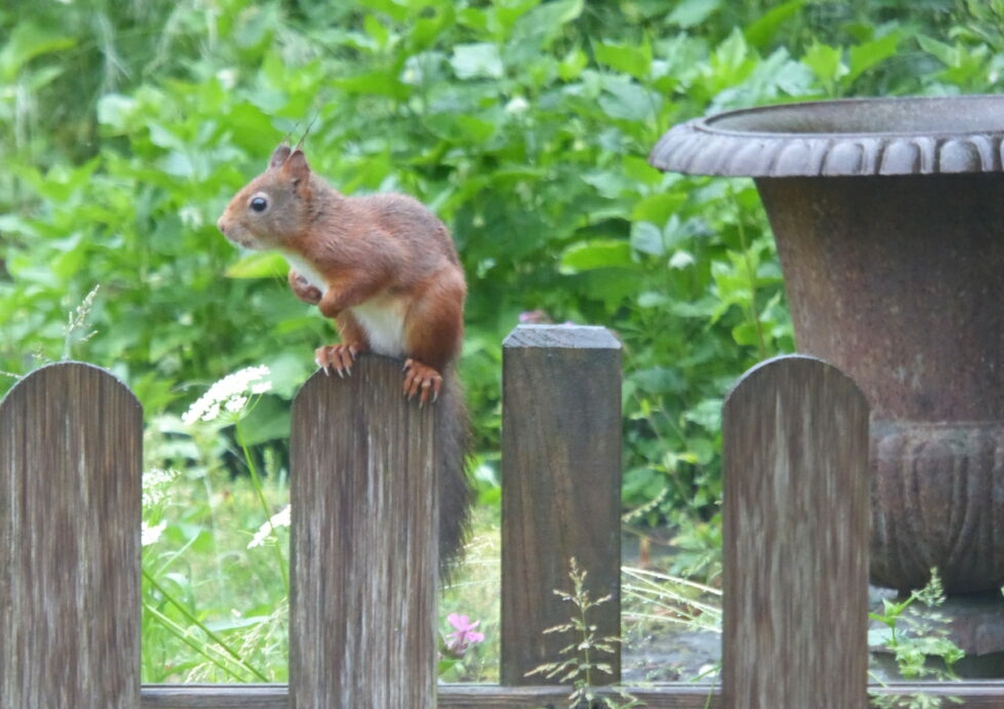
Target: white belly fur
(381,317)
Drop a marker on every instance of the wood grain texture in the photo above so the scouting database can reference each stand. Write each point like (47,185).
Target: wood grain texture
(70,496)
(795,538)
(364,545)
(561,474)
(215,696)
(677,695)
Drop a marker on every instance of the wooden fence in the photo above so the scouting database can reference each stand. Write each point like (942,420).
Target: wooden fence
(363,584)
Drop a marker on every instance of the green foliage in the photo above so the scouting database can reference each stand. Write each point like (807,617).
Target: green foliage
(215,602)
(126,127)
(525,124)
(917,639)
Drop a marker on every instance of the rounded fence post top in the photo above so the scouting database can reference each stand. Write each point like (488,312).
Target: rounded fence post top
(62,369)
(787,363)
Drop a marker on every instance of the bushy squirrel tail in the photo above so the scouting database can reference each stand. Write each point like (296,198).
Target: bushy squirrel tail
(456,495)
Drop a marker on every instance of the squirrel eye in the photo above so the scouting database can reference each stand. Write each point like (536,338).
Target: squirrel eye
(259,204)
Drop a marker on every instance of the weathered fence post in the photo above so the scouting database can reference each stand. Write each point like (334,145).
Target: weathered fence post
(561,473)
(796,539)
(364,550)
(70,510)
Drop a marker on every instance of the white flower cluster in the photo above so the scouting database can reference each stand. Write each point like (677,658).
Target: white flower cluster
(279,519)
(156,486)
(230,394)
(150,535)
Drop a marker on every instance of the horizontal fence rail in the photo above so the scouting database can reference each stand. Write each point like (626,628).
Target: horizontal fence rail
(364,548)
(669,695)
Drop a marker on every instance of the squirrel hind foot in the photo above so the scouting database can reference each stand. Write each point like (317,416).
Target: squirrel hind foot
(421,380)
(337,357)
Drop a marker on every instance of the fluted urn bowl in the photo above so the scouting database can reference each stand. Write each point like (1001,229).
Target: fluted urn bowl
(889,220)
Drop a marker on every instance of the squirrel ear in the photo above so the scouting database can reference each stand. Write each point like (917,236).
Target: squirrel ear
(296,167)
(279,156)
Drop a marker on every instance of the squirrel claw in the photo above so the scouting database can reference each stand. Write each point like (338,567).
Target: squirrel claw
(336,357)
(421,380)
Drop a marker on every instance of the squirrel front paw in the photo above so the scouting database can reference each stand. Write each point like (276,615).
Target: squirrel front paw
(303,290)
(421,379)
(337,357)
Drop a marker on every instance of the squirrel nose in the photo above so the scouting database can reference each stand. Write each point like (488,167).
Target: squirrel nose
(221,225)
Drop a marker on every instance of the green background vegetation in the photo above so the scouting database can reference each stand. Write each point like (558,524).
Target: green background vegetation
(125,127)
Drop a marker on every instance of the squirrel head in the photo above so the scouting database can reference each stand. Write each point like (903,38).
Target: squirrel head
(274,209)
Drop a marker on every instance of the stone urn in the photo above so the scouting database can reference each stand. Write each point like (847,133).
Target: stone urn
(888,216)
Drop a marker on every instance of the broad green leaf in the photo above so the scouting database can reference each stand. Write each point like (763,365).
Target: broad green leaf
(764,30)
(460,128)
(626,100)
(826,62)
(267,421)
(865,56)
(477,61)
(14,224)
(177,164)
(611,286)
(658,208)
(707,414)
(658,380)
(476,129)
(395,9)
(730,57)
(609,183)
(571,66)
(746,333)
(945,53)
(62,182)
(375,29)
(637,168)
(26,41)
(374,83)
(503,18)
(536,30)
(115,110)
(647,238)
(429,28)
(653,299)
(597,253)
(690,13)
(627,58)
(258,265)
(256,26)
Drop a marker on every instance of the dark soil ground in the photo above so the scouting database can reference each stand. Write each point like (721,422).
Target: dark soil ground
(671,654)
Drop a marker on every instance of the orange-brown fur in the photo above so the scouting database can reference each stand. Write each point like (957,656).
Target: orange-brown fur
(376,255)
(385,269)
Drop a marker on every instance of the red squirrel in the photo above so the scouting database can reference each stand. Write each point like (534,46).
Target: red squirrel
(384,267)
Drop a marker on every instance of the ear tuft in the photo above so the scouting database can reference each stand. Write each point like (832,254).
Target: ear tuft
(279,156)
(296,167)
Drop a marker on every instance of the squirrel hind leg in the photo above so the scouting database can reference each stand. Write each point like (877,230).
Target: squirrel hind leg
(422,380)
(434,329)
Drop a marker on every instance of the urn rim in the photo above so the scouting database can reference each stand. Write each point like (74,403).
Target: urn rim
(843,137)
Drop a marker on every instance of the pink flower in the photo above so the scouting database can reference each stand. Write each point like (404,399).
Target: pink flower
(534,317)
(464,634)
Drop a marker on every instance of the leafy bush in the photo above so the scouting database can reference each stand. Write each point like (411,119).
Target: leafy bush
(525,124)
